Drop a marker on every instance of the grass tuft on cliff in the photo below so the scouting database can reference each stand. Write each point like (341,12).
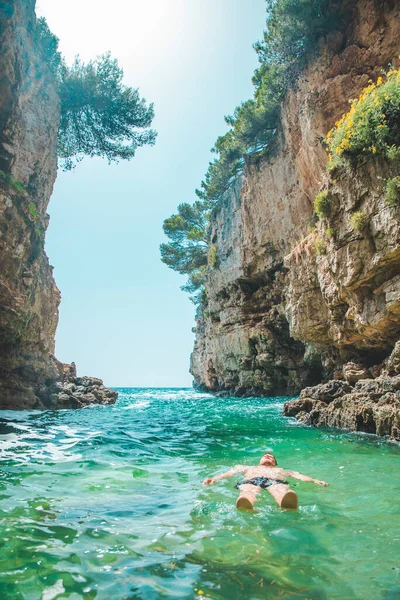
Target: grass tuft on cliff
(320,246)
(392,192)
(322,206)
(359,221)
(372,125)
(8,180)
(330,233)
(212,257)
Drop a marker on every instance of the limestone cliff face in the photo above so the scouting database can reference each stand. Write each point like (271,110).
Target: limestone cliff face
(243,345)
(349,297)
(29,114)
(279,317)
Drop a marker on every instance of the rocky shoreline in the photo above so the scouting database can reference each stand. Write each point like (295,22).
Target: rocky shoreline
(76,392)
(63,390)
(355,400)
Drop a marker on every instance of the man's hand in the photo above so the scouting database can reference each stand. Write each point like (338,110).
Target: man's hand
(318,482)
(209,481)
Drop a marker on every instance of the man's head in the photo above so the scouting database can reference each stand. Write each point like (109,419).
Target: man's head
(268,460)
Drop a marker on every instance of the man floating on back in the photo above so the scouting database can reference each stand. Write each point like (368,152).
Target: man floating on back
(266,475)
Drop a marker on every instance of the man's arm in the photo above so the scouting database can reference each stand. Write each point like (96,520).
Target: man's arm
(226,475)
(297,475)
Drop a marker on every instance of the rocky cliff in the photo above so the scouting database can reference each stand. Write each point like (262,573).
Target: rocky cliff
(280,315)
(30,376)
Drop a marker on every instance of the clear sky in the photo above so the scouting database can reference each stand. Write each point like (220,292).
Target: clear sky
(123,317)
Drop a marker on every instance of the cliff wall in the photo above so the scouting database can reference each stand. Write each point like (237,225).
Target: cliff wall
(279,317)
(30,376)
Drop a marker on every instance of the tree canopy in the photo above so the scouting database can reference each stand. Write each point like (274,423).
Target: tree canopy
(188,247)
(100,116)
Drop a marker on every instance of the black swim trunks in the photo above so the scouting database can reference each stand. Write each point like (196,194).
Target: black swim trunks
(262,482)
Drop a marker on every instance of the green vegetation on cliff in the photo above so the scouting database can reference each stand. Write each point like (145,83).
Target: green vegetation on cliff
(359,221)
(293,32)
(370,128)
(393,191)
(48,43)
(372,125)
(8,180)
(321,204)
(100,116)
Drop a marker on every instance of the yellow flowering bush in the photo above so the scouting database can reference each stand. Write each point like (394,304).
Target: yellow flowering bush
(372,126)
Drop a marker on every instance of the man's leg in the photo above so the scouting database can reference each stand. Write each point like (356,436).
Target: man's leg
(285,497)
(248,495)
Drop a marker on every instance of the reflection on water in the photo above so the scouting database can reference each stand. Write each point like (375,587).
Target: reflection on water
(107,503)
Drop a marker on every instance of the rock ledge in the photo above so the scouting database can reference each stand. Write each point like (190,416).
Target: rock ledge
(371,405)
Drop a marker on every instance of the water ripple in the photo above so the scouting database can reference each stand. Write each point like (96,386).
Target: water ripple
(107,502)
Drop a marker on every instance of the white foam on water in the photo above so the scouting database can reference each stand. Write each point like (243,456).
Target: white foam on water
(57,455)
(139,404)
(53,591)
(24,446)
(10,442)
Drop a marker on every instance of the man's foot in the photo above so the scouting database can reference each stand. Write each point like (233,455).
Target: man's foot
(289,500)
(243,502)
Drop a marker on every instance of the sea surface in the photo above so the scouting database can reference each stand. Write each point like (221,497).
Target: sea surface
(107,503)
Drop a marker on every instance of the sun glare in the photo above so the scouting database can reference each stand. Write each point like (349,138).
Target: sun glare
(128,28)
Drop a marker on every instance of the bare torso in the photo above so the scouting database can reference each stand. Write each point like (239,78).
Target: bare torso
(261,471)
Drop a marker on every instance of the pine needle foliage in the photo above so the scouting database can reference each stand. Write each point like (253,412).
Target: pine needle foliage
(100,116)
(48,44)
(187,250)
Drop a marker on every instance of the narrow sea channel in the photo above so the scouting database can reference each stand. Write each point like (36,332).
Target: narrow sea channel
(106,503)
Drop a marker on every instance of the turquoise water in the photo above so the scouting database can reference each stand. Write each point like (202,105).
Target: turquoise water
(107,503)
